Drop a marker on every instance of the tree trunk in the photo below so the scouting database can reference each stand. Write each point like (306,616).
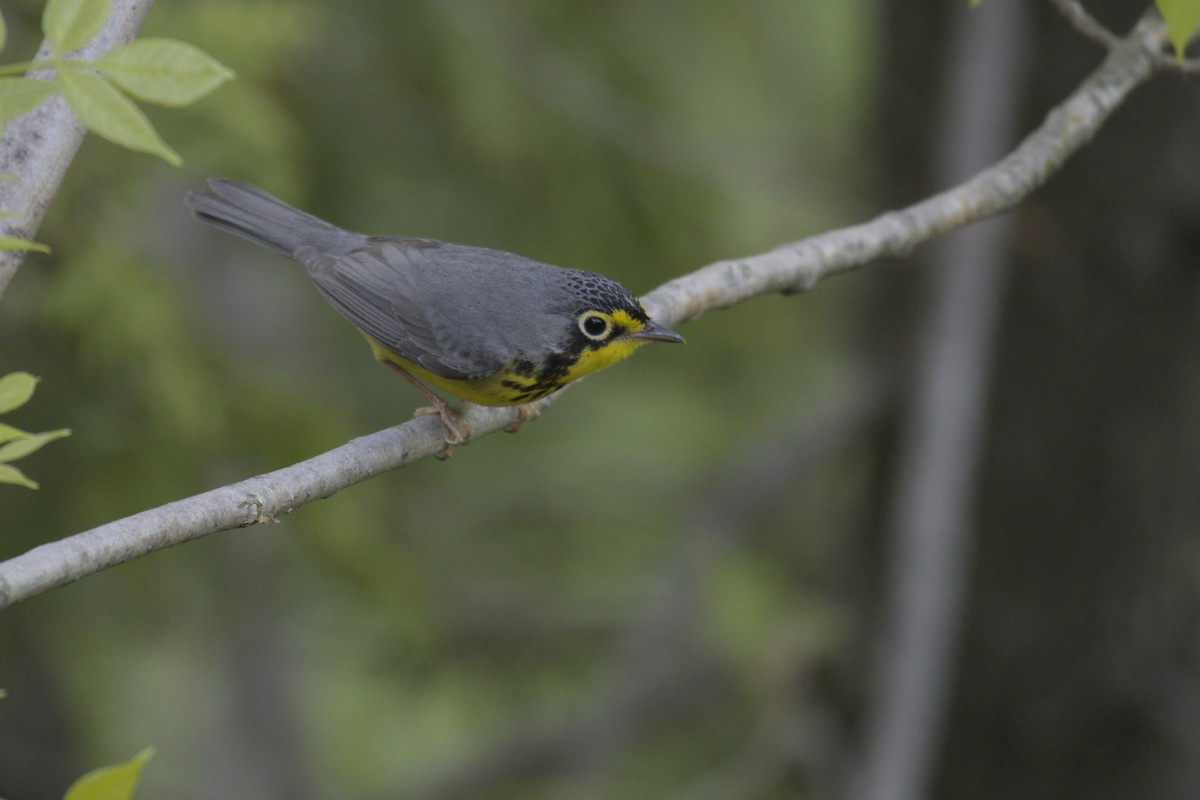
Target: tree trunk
(1077,670)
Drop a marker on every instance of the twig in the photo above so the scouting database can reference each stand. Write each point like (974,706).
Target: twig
(791,268)
(1074,12)
(37,148)
(1085,23)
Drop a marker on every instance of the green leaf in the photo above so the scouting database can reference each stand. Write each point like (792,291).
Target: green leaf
(110,783)
(21,95)
(1182,18)
(8,433)
(10,474)
(17,243)
(19,448)
(111,114)
(70,24)
(163,71)
(15,390)
(3,41)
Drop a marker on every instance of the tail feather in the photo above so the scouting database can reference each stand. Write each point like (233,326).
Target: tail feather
(264,219)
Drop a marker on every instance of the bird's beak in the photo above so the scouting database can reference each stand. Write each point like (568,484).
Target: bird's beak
(653,332)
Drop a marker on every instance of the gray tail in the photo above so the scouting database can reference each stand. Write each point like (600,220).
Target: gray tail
(250,212)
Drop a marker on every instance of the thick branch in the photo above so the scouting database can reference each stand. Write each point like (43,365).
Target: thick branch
(37,148)
(791,268)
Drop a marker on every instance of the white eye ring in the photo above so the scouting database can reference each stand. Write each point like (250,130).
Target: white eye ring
(594,326)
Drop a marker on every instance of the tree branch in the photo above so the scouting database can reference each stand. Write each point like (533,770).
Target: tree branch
(254,501)
(37,148)
(1074,13)
(798,266)
(789,269)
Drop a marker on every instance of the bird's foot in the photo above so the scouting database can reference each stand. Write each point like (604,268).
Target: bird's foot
(526,412)
(457,431)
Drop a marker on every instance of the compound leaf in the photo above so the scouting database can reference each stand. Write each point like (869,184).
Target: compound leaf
(15,390)
(19,448)
(70,24)
(8,433)
(10,474)
(163,71)
(105,110)
(17,243)
(21,95)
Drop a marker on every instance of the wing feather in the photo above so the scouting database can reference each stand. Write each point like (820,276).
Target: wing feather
(389,289)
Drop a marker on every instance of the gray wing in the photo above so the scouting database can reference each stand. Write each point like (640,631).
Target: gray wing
(391,290)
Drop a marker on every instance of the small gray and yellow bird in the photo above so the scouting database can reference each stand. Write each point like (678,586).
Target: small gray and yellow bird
(491,327)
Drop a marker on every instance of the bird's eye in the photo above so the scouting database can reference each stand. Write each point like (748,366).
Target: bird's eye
(594,326)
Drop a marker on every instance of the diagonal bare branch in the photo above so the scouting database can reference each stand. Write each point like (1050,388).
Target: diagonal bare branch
(798,266)
(790,268)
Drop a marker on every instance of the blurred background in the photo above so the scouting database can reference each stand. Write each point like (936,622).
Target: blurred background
(927,530)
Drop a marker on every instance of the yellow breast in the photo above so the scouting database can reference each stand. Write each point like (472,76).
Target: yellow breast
(514,385)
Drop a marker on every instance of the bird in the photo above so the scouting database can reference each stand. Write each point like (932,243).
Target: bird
(487,326)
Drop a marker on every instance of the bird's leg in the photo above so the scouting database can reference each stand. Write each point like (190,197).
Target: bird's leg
(525,412)
(458,430)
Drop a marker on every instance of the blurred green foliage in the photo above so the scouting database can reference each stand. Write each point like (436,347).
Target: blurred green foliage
(390,637)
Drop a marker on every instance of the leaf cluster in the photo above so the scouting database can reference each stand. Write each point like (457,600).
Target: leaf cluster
(163,72)
(16,389)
